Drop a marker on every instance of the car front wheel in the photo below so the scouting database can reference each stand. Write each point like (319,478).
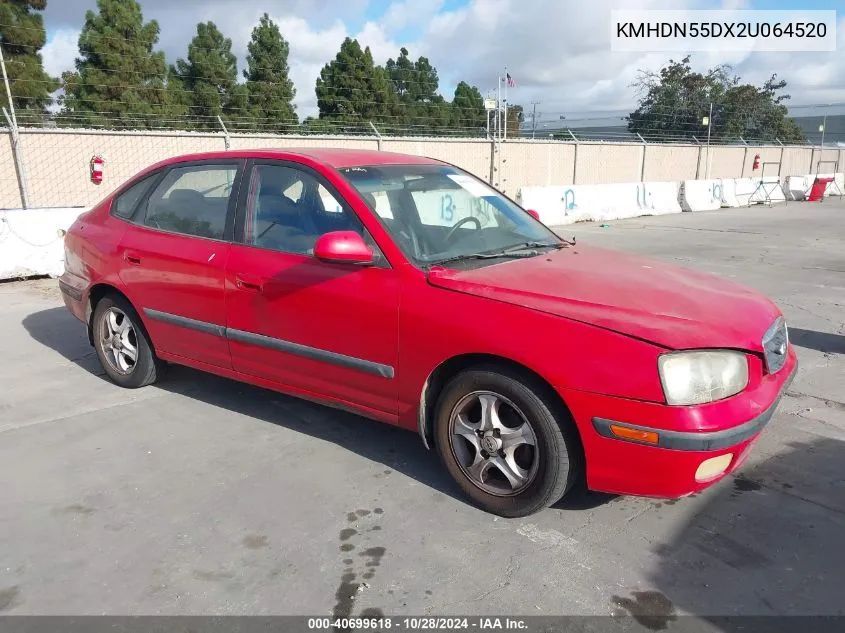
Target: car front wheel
(122,345)
(510,449)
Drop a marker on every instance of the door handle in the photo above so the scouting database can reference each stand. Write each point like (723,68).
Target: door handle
(248,282)
(131,258)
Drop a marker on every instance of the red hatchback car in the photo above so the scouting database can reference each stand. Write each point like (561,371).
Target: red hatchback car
(409,291)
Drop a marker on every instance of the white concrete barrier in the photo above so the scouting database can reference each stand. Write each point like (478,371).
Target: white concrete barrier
(729,197)
(744,188)
(567,204)
(30,243)
(660,198)
(797,187)
(701,195)
(767,189)
(835,187)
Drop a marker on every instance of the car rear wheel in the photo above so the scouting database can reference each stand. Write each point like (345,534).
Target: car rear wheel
(122,345)
(506,444)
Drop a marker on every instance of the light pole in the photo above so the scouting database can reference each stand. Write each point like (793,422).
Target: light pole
(822,127)
(708,121)
(489,106)
(534,118)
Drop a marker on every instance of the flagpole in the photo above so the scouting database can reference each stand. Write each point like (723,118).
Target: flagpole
(506,102)
(498,107)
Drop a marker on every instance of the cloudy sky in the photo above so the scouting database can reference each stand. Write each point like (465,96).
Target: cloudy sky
(558,51)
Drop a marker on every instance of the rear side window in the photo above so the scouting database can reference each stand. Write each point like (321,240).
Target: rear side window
(126,202)
(192,200)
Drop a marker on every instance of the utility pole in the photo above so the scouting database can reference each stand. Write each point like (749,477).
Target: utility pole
(8,90)
(709,127)
(12,120)
(534,118)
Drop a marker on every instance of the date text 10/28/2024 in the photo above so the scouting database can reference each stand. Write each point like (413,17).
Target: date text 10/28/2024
(416,624)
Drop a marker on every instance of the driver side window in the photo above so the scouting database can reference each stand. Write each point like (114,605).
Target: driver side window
(288,209)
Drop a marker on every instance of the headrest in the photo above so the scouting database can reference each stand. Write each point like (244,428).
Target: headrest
(186,196)
(276,203)
(369,198)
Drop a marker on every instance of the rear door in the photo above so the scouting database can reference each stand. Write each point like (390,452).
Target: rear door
(174,258)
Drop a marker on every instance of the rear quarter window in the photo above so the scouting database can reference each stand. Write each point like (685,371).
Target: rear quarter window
(192,199)
(126,203)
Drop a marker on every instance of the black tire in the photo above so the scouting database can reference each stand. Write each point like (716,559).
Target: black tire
(557,447)
(146,368)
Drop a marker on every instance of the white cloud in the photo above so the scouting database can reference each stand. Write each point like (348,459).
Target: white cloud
(60,52)
(562,57)
(311,48)
(558,55)
(812,78)
(409,13)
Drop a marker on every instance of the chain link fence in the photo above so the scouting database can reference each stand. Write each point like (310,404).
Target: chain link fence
(43,167)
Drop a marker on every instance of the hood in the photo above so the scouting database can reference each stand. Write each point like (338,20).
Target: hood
(666,304)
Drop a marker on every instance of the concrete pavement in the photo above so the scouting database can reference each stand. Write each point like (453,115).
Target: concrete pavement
(201,495)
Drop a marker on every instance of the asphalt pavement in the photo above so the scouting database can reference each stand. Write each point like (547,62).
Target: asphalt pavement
(206,496)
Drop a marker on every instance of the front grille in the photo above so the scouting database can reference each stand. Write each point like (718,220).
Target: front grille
(776,345)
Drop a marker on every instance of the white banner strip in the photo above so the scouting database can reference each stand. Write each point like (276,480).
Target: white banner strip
(745,30)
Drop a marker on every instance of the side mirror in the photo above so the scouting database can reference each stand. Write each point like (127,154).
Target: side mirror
(343,247)
(533,213)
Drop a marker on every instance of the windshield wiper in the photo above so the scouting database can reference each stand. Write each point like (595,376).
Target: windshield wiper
(523,250)
(494,255)
(529,245)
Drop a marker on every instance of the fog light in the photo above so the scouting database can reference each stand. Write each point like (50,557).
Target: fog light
(713,467)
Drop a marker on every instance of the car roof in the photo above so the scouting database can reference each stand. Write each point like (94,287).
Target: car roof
(330,156)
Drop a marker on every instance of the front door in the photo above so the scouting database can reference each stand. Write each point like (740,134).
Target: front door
(173,260)
(330,330)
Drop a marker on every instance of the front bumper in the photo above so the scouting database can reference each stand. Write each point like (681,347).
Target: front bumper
(686,437)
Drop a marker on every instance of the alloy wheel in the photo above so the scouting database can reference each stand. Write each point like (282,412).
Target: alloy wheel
(494,443)
(119,340)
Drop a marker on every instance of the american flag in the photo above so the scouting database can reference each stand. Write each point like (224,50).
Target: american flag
(509,79)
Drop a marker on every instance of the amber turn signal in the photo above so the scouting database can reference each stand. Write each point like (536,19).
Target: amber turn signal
(626,433)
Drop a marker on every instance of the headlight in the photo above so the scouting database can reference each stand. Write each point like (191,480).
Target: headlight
(701,377)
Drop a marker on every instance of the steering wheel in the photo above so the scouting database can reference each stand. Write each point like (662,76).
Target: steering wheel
(460,223)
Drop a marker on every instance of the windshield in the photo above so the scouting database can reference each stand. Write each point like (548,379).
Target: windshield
(437,212)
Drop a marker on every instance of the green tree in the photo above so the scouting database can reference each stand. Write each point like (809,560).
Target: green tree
(22,36)
(421,109)
(316,125)
(401,73)
(119,79)
(432,117)
(352,89)
(269,88)
(675,101)
(468,113)
(208,80)
(426,81)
